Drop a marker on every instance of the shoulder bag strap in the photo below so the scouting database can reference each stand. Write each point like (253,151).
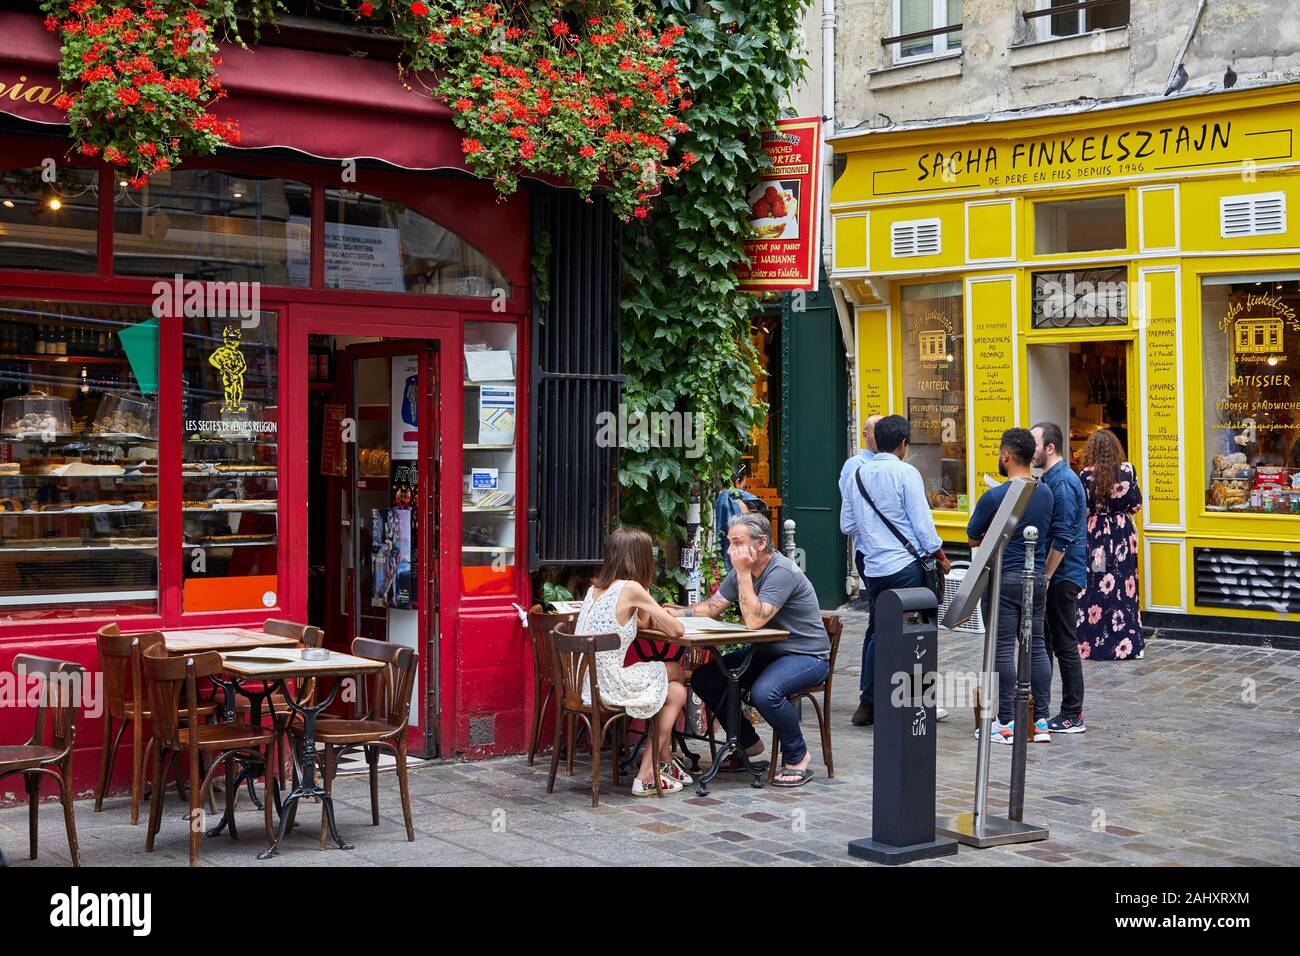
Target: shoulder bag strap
(857,475)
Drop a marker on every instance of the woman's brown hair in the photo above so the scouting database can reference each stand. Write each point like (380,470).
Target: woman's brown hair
(1103,454)
(629,556)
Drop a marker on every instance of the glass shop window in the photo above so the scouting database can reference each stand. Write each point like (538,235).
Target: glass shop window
(230,464)
(78,460)
(1250,330)
(934,390)
(1079,225)
(382,246)
(50,226)
(209,225)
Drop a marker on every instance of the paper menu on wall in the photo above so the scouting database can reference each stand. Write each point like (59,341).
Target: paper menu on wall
(496,415)
(489,366)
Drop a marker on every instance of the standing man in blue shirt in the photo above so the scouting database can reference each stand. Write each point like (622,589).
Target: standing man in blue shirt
(898,491)
(1066,572)
(1014,457)
(848,491)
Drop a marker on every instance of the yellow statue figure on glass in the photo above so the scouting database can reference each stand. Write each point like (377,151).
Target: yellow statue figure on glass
(230,362)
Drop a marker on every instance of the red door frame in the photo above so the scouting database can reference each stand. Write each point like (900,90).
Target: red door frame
(426,507)
(429,326)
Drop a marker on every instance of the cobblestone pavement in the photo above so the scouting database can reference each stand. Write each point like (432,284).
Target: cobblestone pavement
(1191,758)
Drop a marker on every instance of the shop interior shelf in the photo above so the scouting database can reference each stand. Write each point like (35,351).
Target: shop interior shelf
(229,474)
(77,549)
(69,513)
(229,544)
(130,476)
(489,447)
(503,510)
(78,359)
(73,438)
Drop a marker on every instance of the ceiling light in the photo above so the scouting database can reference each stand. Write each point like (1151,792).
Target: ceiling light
(55,203)
(9,204)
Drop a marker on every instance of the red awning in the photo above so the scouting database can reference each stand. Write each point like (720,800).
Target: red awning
(321,104)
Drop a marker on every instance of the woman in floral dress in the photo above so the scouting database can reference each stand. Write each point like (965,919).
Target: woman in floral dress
(1110,626)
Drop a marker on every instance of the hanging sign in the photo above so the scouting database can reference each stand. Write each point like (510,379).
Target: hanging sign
(785,211)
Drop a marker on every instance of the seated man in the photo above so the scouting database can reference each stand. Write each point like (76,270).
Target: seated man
(771,591)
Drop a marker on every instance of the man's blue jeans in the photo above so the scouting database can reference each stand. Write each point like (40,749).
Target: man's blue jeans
(771,677)
(911,576)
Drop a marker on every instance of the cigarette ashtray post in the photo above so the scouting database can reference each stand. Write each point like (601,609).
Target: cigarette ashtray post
(315,654)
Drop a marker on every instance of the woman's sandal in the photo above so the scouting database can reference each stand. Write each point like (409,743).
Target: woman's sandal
(675,771)
(804,776)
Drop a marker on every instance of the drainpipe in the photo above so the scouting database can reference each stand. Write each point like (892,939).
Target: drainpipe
(828,121)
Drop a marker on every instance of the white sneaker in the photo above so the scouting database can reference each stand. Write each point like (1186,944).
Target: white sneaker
(1001,733)
(940,714)
(640,789)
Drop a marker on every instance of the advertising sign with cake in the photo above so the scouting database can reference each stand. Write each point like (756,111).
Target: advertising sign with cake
(784,211)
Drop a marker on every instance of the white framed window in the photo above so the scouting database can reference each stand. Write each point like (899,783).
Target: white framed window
(1075,22)
(917,16)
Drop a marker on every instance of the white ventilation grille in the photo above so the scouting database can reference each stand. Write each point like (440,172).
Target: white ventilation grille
(916,237)
(1259,214)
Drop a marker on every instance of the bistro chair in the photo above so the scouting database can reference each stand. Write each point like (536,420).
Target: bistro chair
(834,627)
(574,664)
(387,695)
(56,718)
(540,628)
(173,685)
(126,702)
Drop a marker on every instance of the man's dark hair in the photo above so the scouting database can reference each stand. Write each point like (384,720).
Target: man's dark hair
(1020,444)
(891,432)
(1052,436)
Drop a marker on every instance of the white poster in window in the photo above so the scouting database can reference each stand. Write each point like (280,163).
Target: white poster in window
(490,366)
(356,257)
(496,415)
(404,407)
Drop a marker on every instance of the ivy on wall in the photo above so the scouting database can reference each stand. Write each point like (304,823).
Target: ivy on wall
(686,326)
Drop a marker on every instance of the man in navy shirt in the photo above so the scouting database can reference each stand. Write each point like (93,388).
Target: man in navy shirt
(1014,457)
(1065,572)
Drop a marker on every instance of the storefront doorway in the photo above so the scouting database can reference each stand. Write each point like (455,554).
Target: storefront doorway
(1083,386)
(372,517)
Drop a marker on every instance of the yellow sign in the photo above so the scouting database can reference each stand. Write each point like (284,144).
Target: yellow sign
(1078,148)
(230,362)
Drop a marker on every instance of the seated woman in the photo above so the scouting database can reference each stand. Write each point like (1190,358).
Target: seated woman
(619,602)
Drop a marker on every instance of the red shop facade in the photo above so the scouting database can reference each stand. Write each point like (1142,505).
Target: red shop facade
(293,380)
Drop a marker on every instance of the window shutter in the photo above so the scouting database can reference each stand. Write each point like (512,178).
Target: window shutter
(915,237)
(1259,214)
(913,17)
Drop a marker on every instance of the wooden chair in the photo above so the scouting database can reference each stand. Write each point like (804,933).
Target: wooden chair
(573,665)
(834,627)
(387,695)
(540,628)
(56,718)
(126,702)
(177,731)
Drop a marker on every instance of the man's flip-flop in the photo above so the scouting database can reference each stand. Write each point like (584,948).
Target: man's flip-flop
(804,776)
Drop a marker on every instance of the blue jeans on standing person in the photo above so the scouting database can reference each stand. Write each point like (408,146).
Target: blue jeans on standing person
(1008,637)
(771,678)
(911,576)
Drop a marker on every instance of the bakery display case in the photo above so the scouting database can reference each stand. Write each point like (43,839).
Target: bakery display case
(78,463)
(489,480)
(230,465)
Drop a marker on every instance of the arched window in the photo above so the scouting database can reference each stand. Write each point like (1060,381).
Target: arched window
(383,246)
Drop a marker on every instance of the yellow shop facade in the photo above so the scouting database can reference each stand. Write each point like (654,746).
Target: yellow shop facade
(1132,266)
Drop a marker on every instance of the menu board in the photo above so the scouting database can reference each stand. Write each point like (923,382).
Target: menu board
(1162,434)
(993,373)
(873,364)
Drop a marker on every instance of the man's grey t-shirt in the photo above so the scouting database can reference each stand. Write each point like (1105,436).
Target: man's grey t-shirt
(788,589)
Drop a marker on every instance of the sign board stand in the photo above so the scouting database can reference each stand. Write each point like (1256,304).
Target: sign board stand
(977,828)
(902,793)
